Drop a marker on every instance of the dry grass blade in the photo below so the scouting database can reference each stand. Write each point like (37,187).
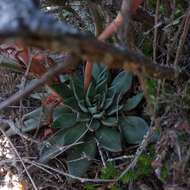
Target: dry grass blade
(183,37)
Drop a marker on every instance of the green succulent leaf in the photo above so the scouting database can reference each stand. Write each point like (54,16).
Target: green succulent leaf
(80,157)
(109,139)
(75,102)
(59,110)
(62,90)
(82,106)
(98,115)
(94,124)
(103,74)
(78,79)
(122,82)
(97,69)
(91,92)
(134,128)
(110,121)
(72,103)
(78,91)
(93,110)
(102,102)
(54,145)
(84,117)
(133,102)
(110,97)
(115,107)
(32,120)
(116,110)
(64,117)
(101,87)
(99,100)
(77,87)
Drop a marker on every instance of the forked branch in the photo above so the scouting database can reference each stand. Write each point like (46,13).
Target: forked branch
(22,20)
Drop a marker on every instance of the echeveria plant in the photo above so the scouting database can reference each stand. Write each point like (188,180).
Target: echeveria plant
(98,116)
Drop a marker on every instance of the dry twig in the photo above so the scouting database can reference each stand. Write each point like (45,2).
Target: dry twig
(71,60)
(45,32)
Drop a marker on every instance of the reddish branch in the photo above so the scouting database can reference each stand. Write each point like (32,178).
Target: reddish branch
(107,33)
